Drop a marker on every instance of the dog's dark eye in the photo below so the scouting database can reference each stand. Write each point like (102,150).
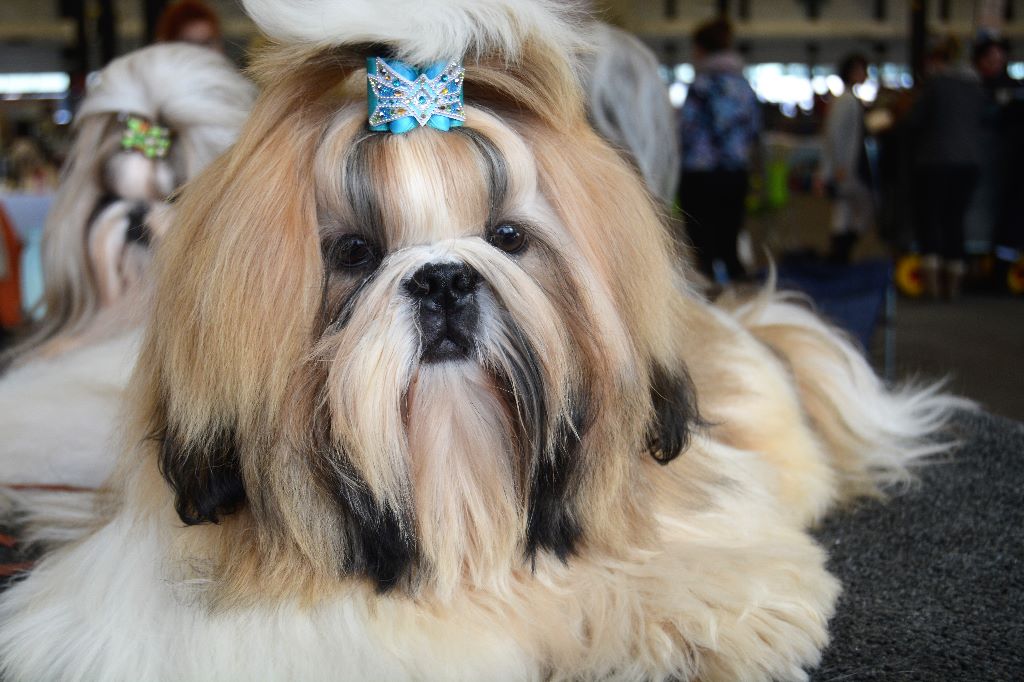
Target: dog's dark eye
(352,251)
(509,238)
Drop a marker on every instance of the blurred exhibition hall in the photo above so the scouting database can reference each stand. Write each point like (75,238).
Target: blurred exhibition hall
(883,179)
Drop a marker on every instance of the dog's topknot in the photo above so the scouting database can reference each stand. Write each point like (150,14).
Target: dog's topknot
(425,31)
(180,85)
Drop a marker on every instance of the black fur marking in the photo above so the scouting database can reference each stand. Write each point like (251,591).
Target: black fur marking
(674,399)
(338,318)
(137,230)
(205,475)
(101,205)
(378,538)
(380,547)
(552,522)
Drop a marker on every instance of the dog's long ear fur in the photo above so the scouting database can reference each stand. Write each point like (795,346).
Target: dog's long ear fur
(238,284)
(206,475)
(674,402)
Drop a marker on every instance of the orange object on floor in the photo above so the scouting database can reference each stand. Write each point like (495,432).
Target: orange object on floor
(909,277)
(10,273)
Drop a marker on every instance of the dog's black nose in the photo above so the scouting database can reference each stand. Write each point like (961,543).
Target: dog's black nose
(137,231)
(445,294)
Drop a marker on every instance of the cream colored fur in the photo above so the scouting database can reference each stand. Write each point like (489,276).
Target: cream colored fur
(875,433)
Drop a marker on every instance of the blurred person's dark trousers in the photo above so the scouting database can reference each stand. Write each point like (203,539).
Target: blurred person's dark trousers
(943,195)
(714,207)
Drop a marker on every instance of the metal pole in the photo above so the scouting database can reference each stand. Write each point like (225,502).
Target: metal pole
(78,54)
(106,29)
(918,37)
(151,10)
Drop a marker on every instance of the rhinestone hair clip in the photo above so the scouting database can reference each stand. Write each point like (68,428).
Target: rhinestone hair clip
(142,135)
(402,97)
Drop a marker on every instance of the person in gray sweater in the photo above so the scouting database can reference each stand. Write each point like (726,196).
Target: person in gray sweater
(844,171)
(947,122)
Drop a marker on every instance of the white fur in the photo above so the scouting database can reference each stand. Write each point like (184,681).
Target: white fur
(47,518)
(58,415)
(421,31)
(154,631)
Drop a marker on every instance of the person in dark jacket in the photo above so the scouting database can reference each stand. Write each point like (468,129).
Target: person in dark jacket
(947,121)
(719,127)
(1003,173)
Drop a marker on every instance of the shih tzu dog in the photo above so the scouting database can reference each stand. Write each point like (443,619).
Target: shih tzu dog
(425,396)
(151,122)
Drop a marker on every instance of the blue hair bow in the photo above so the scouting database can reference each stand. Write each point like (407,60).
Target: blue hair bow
(401,97)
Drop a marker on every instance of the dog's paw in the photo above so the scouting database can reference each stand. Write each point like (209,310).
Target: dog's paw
(741,606)
(768,621)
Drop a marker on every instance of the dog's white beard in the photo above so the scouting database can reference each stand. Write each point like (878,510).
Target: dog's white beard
(469,514)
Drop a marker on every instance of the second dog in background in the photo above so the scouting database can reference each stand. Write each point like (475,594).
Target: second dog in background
(151,122)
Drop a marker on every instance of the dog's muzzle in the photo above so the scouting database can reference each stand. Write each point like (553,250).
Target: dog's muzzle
(446,298)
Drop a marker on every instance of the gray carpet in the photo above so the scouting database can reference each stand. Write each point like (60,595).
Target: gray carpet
(934,579)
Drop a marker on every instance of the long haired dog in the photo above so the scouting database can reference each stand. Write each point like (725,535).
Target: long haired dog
(151,122)
(97,235)
(438,404)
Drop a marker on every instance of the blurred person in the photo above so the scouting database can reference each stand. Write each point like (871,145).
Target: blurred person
(720,123)
(10,277)
(1003,119)
(845,173)
(947,124)
(894,182)
(990,57)
(30,170)
(190,21)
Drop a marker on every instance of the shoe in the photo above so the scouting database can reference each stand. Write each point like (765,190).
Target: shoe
(931,266)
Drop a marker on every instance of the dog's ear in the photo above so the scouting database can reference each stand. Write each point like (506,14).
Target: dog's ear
(674,400)
(204,473)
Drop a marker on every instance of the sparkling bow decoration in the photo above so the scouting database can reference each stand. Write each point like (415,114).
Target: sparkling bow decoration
(142,135)
(402,97)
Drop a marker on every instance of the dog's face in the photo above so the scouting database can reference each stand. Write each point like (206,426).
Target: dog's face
(119,233)
(427,358)
(110,208)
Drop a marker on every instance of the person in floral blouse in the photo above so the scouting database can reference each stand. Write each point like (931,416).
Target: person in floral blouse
(719,126)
